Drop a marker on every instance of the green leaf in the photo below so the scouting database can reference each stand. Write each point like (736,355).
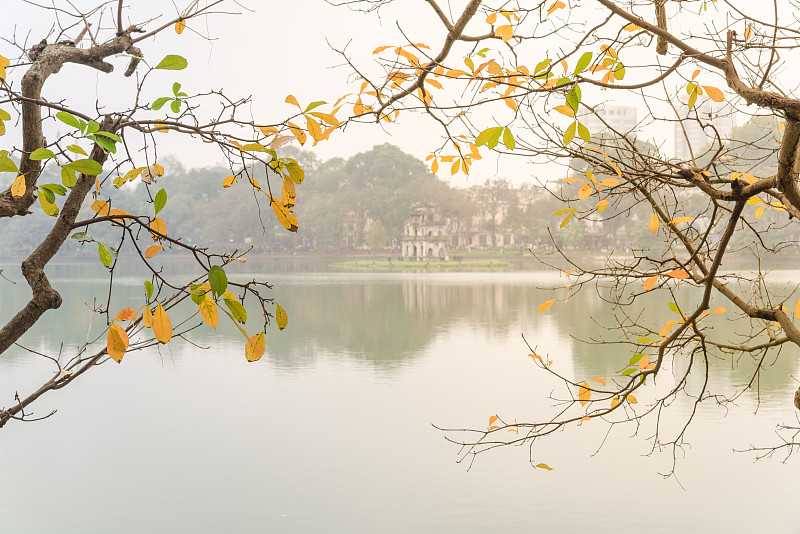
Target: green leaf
(253,147)
(176,87)
(674,307)
(644,340)
(619,72)
(92,128)
(110,135)
(627,372)
(175,106)
(172,62)
(217,279)
(4,115)
(85,166)
(542,65)
(488,134)
(106,144)
(314,105)
(583,132)
(159,103)
(508,139)
(148,289)
(635,359)
(47,194)
(160,201)
(105,255)
(56,189)
(237,310)
(280,316)
(68,177)
(583,62)
(75,149)
(69,119)
(42,153)
(569,135)
(7,164)
(81,237)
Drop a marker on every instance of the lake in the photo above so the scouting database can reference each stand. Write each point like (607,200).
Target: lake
(332,431)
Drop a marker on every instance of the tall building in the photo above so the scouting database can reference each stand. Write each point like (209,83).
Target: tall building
(720,115)
(623,119)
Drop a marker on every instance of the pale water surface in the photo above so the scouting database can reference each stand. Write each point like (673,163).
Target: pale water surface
(332,430)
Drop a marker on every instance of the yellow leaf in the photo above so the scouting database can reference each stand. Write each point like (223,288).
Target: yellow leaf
(180,26)
(147,317)
(585,418)
(491,18)
(598,379)
(722,309)
(614,402)
(284,215)
(157,225)
(292,100)
(157,169)
(133,174)
(664,331)
(126,314)
(714,94)
(653,226)
(565,110)
(281,317)
(162,327)
(255,347)
(117,342)
(100,207)
(678,220)
(208,311)
(288,193)
(554,6)
(492,419)
(48,207)
(631,399)
(18,188)
(797,310)
(434,166)
(602,205)
(268,130)
(584,394)
(748,33)
(680,274)
(546,304)
(544,466)
(609,182)
(152,250)
(314,129)
(229,181)
(585,191)
(632,27)
(650,282)
(298,132)
(455,167)
(510,103)
(760,211)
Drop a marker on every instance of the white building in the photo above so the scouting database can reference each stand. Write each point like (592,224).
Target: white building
(720,115)
(622,119)
(425,234)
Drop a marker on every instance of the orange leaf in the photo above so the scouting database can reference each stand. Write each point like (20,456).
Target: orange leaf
(126,314)
(797,310)
(584,394)
(643,362)
(157,225)
(180,26)
(537,357)
(147,317)
(598,379)
(653,226)
(100,207)
(117,342)
(650,282)
(162,327)
(255,347)
(678,220)
(554,6)
(680,274)
(545,305)
(721,309)
(544,466)
(492,419)
(631,399)
(292,100)
(714,94)
(584,192)
(152,250)
(505,32)
(229,180)
(614,402)
(585,418)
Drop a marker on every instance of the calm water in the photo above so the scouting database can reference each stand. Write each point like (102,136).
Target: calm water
(332,430)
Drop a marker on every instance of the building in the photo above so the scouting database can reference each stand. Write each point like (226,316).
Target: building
(622,119)
(720,115)
(425,234)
